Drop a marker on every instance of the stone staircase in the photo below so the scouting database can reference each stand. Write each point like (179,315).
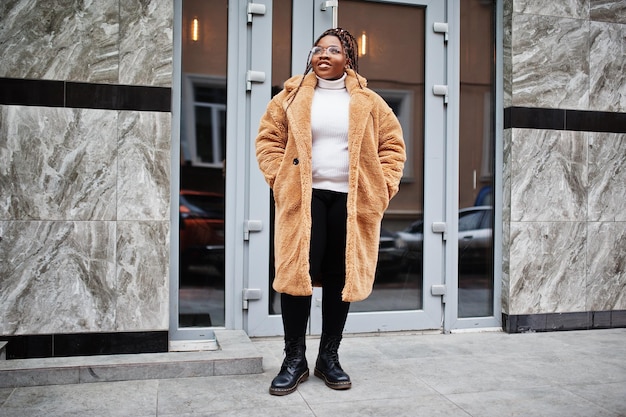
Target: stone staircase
(236,356)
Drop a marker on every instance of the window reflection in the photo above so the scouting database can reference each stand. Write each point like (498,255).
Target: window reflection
(476,138)
(281,71)
(395,34)
(203,151)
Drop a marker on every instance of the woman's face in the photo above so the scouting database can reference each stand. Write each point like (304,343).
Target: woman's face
(328,58)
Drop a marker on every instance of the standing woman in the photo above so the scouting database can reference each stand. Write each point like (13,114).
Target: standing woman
(332,151)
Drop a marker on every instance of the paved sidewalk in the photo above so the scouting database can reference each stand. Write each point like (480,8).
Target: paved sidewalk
(564,374)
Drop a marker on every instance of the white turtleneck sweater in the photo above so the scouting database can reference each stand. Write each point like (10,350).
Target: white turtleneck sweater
(329,128)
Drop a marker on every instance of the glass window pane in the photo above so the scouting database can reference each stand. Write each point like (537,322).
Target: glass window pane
(476,160)
(202,186)
(391,33)
(281,70)
(204,134)
(205,94)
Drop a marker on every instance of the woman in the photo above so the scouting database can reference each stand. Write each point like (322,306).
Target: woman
(332,151)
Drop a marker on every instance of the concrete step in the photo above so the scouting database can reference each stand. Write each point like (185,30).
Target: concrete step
(236,355)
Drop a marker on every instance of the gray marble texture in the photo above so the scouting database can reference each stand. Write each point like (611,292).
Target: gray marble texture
(57,163)
(506,218)
(565,54)
(143,181)
(507,61)
(108,41)
(608,10)
(565,245)
(607,67)
(66,277)
(548,175)
(607,177)
(505,282)
(142,291)
(565,188)
(146,40)
(550,62)
(547,261)
(578,9)
(60,39)
(57,276)
(85,220)
(606,275)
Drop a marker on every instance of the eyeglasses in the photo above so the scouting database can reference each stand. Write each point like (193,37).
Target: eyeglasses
(332,50)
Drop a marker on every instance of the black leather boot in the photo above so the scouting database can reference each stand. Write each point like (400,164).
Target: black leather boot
(327,366)
(294,369)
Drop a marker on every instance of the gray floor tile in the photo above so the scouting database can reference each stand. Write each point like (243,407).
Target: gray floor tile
(457,374)
(373,381)
(460,375)
(539,402)
(136,398)
(280,411)
(573,367)
(610,396)
(400,407)
(220,394)
(4,394)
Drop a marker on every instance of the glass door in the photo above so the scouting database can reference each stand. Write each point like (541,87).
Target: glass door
(198,296)
(403,58)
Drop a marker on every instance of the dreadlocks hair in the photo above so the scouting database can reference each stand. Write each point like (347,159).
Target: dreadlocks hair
(350,48)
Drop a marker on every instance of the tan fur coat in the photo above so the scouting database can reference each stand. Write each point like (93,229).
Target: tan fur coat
(377,155)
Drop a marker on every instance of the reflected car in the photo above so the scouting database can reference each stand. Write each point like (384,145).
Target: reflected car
(390,255)
(485,196)
(201,229)
(474,237)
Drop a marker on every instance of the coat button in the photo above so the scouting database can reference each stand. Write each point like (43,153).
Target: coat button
(295,161)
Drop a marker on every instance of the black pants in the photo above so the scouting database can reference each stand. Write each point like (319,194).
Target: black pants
(327,266)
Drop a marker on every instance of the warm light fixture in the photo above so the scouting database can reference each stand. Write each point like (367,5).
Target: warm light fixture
(363,45)
(195,29)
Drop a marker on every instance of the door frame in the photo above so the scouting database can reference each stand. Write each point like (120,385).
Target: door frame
(241,163)
(257,320)
(452,321)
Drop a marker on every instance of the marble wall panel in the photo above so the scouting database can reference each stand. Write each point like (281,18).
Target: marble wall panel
(578,9)
(606,266)
(505,291)
(57,277)
(507,165)
(506,217)
(607,67)
(547,261)
(69,40)
(607,177)
(143,275)
(146,40)
(550,62)
(608,11)
(507,62)
(143,183)
(57,163)
(548,175)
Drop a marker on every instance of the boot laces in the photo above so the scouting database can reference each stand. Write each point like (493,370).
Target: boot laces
(293,354)
(332,348)
(292,360)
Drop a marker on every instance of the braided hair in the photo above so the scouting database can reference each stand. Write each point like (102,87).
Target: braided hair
(350,48)
(349,44)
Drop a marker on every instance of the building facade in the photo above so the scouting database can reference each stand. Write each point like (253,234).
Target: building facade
(117,117)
